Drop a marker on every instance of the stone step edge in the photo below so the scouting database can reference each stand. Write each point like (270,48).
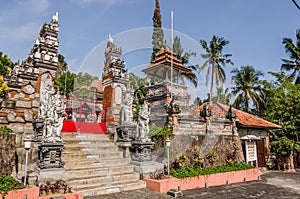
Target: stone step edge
(113,189)
(96,160)
(107,185)
(70,179)
(90,152)
(118,175)
(99,167)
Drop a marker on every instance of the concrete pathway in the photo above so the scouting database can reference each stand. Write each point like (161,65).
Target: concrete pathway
(272,185)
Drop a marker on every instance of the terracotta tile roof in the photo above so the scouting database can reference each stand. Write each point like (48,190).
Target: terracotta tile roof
(164,57)
(219,110)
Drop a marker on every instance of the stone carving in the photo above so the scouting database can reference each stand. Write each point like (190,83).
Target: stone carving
(51,110)
(143,123)
(172,107)
(231,115)
(28,89)
(127,127)
(126,110)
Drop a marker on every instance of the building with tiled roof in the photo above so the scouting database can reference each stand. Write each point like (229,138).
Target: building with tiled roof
(248,127)
(244,120)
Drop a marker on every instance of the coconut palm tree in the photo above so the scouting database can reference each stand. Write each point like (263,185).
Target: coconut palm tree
(247,87)
(215,61)
(294,52)
(184,57)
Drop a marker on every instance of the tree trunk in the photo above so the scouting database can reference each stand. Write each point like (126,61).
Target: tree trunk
(212,82)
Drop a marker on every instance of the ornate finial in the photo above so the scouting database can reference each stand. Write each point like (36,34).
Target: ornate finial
(110,39)
(55,17)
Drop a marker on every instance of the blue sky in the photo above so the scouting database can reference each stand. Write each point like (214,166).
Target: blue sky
(255,28)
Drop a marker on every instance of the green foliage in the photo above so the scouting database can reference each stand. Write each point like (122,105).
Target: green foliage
(198,171)
(62,65)
(3,88)
(5,129)
(8,183)
(190,159)
(184,57)
(283,105)
(138,84)
(5,64)
(84,79)
(179,51)
(211,157)
(215,60)
(158,33)
(222,96)
(293,50)
(158,134)
(247,88)
(65,83)
(282,148)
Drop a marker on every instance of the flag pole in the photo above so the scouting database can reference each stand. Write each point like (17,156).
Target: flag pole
(172,36)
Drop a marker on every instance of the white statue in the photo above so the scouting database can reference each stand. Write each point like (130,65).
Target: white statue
(143,123)
(51,110)
(126,110)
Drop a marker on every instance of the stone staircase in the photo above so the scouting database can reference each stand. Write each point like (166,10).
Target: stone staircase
(95,166)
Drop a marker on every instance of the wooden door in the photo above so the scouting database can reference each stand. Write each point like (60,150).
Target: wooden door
(261,153)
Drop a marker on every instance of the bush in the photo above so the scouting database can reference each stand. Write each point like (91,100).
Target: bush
(159,135)
(5,129)
(8,183)
(192,172)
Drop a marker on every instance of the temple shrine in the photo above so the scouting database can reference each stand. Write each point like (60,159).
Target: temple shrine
(166,72)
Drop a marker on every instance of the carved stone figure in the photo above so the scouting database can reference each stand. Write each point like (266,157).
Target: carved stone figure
(143,123)
(51,110)
(126,110)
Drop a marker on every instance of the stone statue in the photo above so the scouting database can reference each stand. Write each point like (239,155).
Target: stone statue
(143,123)
(51,110)
(126,110)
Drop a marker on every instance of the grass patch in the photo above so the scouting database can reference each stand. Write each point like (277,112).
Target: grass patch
(199,171)
(8,183)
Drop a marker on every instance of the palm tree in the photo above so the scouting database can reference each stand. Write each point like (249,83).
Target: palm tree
(184,57)
(247,87)
(223,96)
(294,52)
(138,84)
(62,65)
(215,61)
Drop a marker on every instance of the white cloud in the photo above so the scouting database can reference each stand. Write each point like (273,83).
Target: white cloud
(23,32)
(12,25)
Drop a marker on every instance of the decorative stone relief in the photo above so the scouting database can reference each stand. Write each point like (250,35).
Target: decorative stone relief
(28,89)
(51,110)
(118,95)
(143,123)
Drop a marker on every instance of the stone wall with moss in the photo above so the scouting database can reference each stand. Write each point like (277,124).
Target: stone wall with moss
(210,150)
(7,152)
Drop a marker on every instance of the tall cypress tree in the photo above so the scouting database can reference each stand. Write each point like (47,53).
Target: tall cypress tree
(158,33)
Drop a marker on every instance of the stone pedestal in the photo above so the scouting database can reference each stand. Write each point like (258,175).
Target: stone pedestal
(125,133)
(50,157)
(141,158)
(125,146)
(38,126)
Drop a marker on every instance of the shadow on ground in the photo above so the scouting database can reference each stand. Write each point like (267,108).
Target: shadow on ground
(272,185)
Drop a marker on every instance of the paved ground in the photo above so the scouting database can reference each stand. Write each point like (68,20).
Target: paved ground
(272,185)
